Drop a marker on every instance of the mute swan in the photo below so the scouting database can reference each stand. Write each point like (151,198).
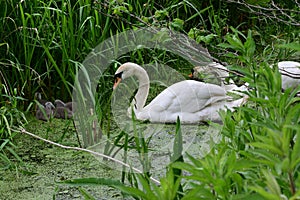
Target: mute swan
(59,103)
(45,112)
(290,74)
(191,100)
(216,73)
(38,97)
(69,105)
(63,110)
(63,113)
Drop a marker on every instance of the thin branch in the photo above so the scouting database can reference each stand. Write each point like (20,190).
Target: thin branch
(85,150)
(275,11)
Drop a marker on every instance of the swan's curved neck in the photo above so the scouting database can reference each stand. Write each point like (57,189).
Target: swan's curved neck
(140,98)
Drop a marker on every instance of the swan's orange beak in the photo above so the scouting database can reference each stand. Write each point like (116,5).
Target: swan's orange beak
(117,81)
(191,75)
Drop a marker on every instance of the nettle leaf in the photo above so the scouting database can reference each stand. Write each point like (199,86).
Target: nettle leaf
(235,42)
(160,14)
(177,24)
(206,39)
(225,46)
(250,44)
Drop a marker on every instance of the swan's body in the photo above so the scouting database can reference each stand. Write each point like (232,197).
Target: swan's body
(45,112)
(290,74)
(63,110)
(216,73)
(70,105)
(62,113)
(191,100)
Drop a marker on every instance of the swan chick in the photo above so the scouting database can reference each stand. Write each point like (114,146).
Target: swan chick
(59,103)
(38,97)
(63,113)
(45,112)
(63,110)
(69,105)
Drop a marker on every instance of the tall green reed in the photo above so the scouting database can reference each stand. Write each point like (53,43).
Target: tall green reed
(11,119)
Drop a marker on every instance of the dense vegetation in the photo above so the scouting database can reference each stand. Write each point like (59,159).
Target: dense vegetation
(43,43)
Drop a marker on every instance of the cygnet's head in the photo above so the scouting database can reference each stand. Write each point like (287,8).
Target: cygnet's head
(49,105)
(59,103)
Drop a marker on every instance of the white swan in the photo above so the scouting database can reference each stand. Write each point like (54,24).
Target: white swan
(290,74)
(69,105)
(191,100)
(216,73)
(45,112)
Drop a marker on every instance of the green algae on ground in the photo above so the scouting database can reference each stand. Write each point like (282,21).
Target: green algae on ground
(45,164)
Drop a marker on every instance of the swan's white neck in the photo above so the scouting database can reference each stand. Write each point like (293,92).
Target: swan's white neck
(140,98)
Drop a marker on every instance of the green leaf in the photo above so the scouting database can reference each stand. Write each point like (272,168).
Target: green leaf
(293,46)
(236,43)
(250,45)
(177,24)
(265,194)
(177,147)
(295,155)
(272,183)
(267,146)
(86,195)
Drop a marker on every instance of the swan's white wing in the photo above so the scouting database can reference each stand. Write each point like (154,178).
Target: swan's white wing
(289,69)
(185,98)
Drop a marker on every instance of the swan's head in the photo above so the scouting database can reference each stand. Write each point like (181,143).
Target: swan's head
(38,95)
(59,103)
(49,105)
(124,71)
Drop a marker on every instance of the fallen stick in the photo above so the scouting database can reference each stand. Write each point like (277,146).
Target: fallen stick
(85,150)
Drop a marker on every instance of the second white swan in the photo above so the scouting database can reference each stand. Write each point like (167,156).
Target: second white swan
(191,100)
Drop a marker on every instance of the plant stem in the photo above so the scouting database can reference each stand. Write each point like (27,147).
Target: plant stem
(292,183)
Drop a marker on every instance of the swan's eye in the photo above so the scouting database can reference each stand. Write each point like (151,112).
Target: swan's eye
(118,75)
(118,78)
(192,71)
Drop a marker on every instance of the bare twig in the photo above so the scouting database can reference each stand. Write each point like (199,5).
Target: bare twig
(272,12)
(85,150)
